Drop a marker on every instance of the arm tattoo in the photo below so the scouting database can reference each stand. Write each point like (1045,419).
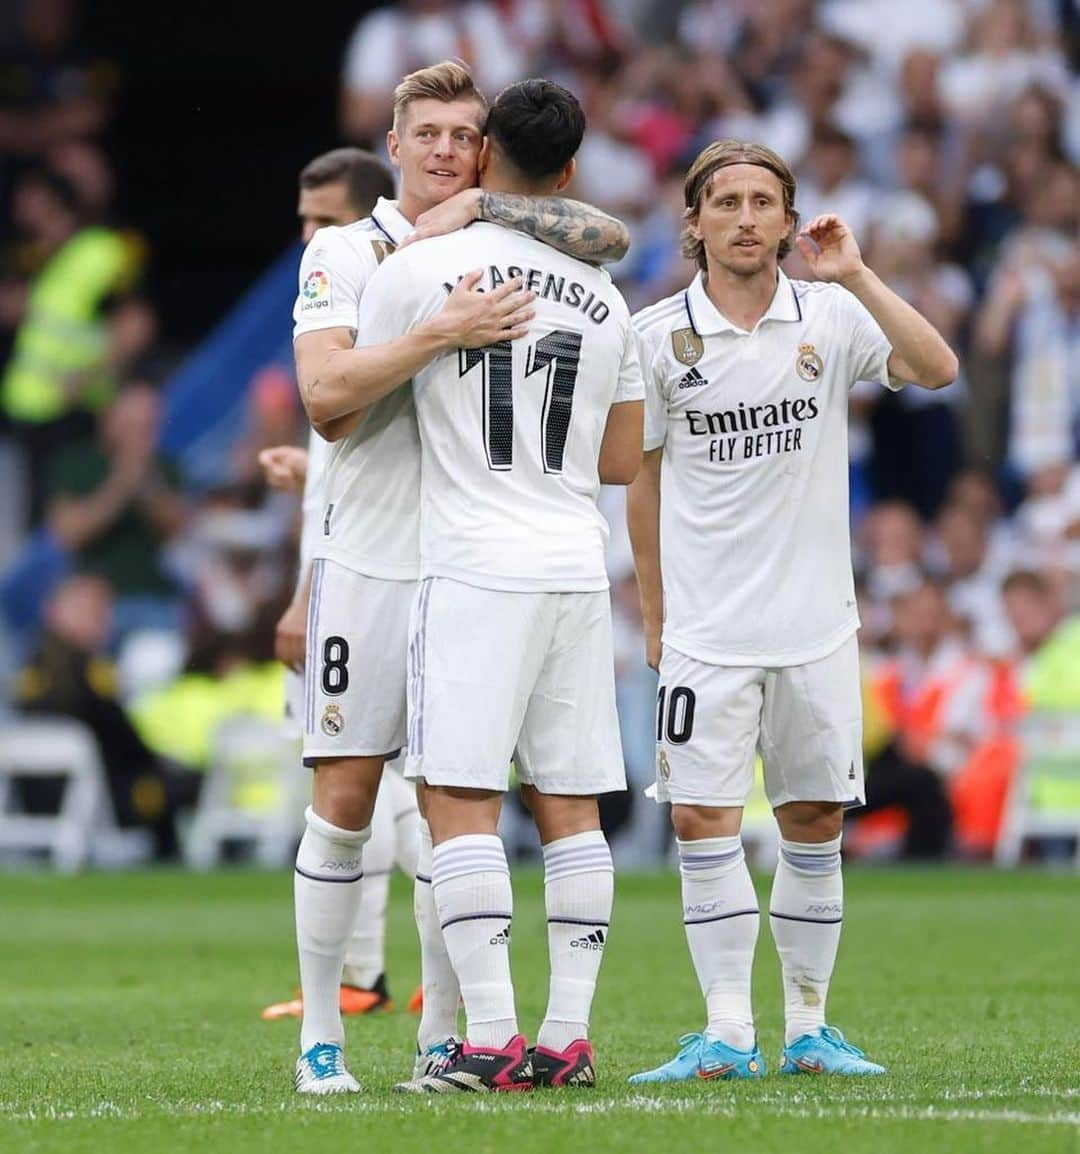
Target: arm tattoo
(577,229)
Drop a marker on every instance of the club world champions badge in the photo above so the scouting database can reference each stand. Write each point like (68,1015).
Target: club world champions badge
(687,346)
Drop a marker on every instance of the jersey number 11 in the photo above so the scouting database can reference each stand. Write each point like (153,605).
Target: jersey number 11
(558,353)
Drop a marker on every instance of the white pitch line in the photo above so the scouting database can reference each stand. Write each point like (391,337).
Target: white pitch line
(542,1104)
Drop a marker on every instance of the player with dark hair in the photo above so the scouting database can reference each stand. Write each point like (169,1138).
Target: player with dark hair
(511,652)
(366,555)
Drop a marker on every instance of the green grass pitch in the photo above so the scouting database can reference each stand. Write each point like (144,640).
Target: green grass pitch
(129,1012)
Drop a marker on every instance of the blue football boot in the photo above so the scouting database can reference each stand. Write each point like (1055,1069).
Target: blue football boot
(824,1051)
(698,1058)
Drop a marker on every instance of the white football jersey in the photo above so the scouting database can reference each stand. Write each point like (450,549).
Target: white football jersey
(755,547)
(511,434)
(368,514)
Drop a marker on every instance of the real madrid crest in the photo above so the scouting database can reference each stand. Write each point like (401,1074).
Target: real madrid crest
(332,721)
(687,346)
(663,765)
(808,364)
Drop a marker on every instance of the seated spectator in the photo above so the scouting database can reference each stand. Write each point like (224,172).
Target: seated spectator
(952,757)
(916,692)
(961,559)
(1047,654)
(831,182)
(115,505)
(70,675)
(393,41)
(82,325)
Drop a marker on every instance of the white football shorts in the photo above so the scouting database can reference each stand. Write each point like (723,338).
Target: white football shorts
(354,671)
(495,676)
(805,720)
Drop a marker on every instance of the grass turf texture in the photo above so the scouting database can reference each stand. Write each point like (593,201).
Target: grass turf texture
(129,1008)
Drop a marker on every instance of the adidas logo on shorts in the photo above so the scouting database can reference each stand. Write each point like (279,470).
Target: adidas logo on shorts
(692,380)
(593,941)
(502,938)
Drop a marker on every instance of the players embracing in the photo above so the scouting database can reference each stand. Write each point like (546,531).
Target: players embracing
(366,559)
(739,524)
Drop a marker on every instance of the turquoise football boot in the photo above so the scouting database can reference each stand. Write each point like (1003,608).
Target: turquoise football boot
(700,1059)
(824,1051)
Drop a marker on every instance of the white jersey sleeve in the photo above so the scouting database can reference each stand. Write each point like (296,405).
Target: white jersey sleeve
(655,384)
(334,271)
(630,386)
(868,352)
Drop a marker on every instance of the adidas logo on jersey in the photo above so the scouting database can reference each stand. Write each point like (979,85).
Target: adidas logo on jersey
(692,380)
(593,941)
(502,938)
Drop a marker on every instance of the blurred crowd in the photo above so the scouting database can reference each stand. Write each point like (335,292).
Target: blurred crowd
(945,132)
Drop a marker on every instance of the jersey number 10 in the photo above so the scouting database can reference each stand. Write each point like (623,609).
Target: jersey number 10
(558,353)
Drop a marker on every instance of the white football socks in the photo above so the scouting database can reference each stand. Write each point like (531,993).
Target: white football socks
(475,905)
(365,956)
(439,1016)
(720,912)
(805,912)
(326,888)
(579,882)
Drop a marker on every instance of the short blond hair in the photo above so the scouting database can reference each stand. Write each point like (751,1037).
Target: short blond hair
(724,154)
(447,81)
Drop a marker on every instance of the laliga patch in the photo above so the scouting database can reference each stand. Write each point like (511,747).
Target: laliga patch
(315,294)
(808,364)
(687,346)
(332,721)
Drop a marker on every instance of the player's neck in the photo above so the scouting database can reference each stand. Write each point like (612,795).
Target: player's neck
(411,206)
(742,299)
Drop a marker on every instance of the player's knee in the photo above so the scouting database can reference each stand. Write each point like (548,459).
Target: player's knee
(810,821)
(697,822)
(344,794)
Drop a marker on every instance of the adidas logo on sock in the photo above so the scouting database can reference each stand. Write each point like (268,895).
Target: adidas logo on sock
(593,941)
(692,380)
(502,938)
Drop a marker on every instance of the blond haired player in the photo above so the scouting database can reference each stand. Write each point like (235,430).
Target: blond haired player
(739,523)
(366,557)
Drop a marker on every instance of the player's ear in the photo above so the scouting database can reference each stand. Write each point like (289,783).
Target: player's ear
(392,148)
(567,175)
(483,157)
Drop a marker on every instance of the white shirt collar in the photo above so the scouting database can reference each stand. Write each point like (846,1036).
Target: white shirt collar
(388,218)
(707,320)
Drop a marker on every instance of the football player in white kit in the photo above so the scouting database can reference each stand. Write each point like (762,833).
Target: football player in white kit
(366,558)
(337,188)
(739,523)
(511,652)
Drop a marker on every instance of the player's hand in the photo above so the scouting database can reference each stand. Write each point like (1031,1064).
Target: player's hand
(829,247)
(290,635)
(652,647)
(472,318)
(284,467)
(461,209)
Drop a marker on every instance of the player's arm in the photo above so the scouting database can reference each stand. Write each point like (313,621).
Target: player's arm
(643,521)
(577,229)
(920,353)
(339,381)
(620,450)
(290,633)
